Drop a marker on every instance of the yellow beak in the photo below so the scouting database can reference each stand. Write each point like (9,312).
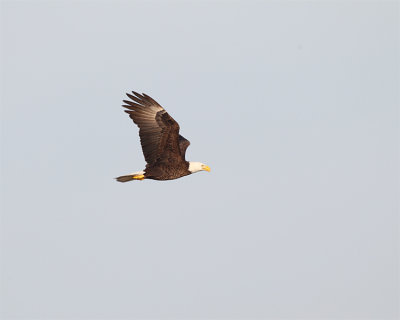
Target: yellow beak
(206,168)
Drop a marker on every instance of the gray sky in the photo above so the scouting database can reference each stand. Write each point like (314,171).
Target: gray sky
(293,105)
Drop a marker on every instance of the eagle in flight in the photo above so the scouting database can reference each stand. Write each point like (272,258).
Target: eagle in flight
(163,147)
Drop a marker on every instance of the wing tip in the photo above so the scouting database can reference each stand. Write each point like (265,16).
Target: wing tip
(137,94)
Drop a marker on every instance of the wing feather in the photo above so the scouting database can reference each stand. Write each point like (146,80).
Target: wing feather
(158,131)
(183,145)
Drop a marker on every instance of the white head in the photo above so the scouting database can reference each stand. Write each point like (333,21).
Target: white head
(198,166)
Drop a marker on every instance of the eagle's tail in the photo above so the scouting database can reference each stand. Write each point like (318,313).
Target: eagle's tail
(133,176)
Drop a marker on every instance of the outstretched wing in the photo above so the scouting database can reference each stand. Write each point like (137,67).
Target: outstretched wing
(158,131)
(183,145)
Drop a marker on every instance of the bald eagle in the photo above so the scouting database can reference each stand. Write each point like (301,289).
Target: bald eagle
(163,147)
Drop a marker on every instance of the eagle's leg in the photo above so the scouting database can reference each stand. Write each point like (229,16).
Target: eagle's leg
(138,177)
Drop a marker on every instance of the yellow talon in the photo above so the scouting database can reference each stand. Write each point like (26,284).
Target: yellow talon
(138,177)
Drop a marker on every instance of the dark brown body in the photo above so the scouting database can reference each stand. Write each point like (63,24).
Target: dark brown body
(166,172)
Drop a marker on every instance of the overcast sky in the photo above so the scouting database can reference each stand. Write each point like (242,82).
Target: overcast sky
(293,105)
